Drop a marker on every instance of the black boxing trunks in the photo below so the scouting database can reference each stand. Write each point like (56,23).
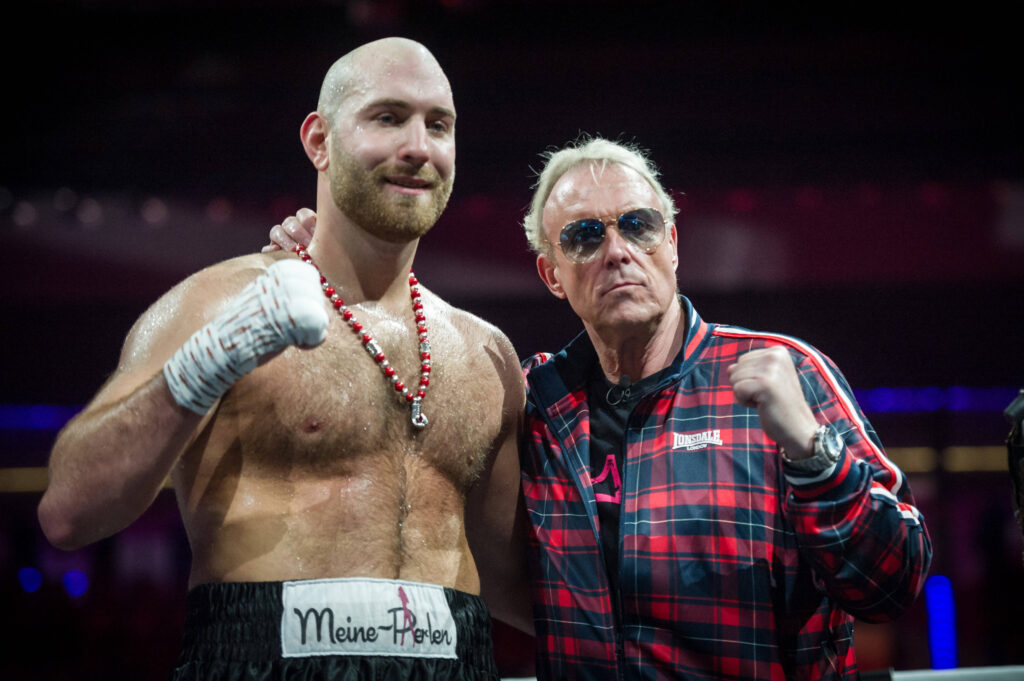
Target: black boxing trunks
(335,630)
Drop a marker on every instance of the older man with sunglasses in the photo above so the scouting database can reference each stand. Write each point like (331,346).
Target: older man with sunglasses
(706,501)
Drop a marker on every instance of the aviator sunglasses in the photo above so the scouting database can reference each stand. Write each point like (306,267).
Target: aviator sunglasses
(580,240)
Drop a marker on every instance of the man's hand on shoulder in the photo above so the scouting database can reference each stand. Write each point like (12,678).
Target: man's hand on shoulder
(293,230)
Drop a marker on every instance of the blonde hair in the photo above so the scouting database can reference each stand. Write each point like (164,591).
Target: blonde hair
(599,152)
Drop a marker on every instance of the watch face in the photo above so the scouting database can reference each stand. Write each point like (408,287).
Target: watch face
(828,445)
(831,445)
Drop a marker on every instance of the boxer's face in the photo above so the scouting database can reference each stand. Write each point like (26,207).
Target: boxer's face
(392,147)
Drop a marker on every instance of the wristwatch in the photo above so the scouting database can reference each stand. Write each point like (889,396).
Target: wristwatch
(828,445)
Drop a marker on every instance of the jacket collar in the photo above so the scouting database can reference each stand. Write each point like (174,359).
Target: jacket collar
(560,383)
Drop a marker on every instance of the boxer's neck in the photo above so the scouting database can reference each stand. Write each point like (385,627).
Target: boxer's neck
(366,267)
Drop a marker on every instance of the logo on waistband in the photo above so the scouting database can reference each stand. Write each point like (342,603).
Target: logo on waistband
(693,441)
(366,617)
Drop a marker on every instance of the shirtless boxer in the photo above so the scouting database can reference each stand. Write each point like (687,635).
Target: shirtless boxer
(330,508)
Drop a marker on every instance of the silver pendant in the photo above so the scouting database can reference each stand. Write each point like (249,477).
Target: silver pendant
(419,419)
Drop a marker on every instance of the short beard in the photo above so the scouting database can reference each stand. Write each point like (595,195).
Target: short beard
(358,193)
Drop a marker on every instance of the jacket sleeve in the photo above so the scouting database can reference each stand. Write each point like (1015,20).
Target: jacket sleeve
(856,523)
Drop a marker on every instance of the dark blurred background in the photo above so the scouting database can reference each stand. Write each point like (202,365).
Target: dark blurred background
(852,177)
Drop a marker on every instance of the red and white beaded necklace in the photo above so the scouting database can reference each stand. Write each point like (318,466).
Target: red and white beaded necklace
(415,400)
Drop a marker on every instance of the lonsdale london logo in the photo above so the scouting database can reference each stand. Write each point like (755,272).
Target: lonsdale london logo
(692,441)
(366,617)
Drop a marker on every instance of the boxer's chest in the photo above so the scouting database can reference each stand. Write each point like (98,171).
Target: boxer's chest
(323,409)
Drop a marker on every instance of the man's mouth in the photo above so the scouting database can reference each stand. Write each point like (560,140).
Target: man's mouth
(619,285)
(407,182)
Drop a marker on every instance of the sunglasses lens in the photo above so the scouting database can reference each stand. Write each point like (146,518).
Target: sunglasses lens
(581,239)
(644,227)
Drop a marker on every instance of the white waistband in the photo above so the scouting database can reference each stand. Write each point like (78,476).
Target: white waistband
(366,617)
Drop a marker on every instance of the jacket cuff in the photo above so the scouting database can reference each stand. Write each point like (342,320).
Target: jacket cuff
(833,479)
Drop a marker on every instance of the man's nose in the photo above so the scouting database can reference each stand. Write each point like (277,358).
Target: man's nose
(415,148)
(616,248)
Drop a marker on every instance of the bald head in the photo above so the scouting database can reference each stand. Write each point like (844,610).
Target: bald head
(383,139)
(366,65)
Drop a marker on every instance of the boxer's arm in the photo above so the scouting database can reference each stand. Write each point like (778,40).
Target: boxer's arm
(496,522)
(110,461)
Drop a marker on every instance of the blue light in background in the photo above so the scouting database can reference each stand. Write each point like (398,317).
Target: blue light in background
(874,400)
(30,579)
(938,595)
(76,583)
(932,399)
(879,399)
(36,416)
(960,399)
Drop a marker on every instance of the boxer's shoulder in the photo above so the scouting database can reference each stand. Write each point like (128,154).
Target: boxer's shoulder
(471,333)
(205,292)
(462,322)
(191,303)
(478,347)
(229,276)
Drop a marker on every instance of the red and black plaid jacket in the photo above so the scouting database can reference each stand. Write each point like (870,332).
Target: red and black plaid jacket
(730,566)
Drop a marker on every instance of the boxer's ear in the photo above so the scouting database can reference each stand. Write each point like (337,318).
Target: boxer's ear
(313,134)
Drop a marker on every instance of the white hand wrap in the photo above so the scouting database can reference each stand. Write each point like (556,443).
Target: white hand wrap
(283,306)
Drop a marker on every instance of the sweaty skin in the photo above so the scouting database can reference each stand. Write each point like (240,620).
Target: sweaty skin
(309,467)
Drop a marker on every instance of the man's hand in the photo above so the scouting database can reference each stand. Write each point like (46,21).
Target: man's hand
(766,380)
(293,230)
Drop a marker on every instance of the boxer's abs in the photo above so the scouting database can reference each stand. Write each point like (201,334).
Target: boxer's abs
(368,524)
